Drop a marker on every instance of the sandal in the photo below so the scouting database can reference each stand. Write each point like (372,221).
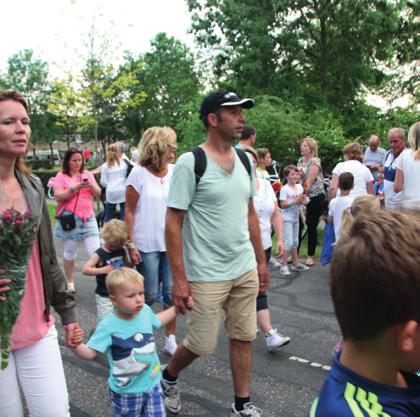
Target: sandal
(309,262)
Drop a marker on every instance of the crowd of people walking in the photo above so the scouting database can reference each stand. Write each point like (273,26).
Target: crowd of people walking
(200,234)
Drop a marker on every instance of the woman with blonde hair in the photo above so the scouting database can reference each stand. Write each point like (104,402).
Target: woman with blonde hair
(113,176)
(313,184)
(407,178)
(35,366)
(363,178)
(146,200)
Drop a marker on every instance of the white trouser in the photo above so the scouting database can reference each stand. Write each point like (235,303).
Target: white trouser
(70,247)
(104,306)
(39,370)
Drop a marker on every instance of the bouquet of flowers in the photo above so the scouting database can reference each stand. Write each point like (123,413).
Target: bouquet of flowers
(17,234)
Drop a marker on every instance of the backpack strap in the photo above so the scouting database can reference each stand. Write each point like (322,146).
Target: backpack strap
(129,167)
(244,159)
(200,162)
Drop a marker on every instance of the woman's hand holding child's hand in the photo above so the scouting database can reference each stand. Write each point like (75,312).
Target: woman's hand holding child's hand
(78,336)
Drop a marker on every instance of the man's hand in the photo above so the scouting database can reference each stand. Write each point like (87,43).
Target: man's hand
(263,277)
(279,247)
(73,334)
(181,295)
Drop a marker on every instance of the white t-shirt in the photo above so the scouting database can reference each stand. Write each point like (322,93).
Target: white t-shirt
(113,179)
(265,204)
(392,199)
(411,169)
(150,214)
(362,176)
(374,158)
(337,206)
(288,193)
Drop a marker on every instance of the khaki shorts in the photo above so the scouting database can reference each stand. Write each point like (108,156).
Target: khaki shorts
(236,297)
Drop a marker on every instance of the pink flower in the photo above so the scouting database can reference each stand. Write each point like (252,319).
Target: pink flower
(19,220)
(27,214)
(8,215)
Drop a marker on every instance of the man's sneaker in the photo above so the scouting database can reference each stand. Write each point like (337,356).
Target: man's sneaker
(171,396)
(284,271)
(275,340)
(273,262)
(298,267)
(170,345)
(249,411)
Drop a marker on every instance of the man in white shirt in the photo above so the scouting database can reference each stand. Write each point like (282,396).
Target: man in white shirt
(374,155)
(396,139)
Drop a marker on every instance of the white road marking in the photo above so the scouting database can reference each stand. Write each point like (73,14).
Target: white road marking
(308,362)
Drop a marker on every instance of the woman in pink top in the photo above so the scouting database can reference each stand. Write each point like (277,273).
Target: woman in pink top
(74,190)
(35,359)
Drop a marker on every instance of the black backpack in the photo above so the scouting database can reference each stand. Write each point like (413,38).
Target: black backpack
(200,162)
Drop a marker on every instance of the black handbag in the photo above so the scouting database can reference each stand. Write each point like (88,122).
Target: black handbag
(67,218)
(67,221)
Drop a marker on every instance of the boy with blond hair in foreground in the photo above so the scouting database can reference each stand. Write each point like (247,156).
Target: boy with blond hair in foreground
(126,336)
(375,287)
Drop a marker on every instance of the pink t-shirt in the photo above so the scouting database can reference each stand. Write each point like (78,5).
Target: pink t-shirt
(84,207)
(31,324)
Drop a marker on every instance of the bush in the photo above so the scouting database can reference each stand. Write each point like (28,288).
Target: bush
(45,174)
(40,164)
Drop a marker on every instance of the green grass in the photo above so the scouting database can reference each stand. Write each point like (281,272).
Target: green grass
(51,211)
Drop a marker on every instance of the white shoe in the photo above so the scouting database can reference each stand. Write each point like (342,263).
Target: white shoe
(284,271)
(71,288)
(170,345)
(249,411)
(298,267)
(171,396)
(273,262)
(275,340)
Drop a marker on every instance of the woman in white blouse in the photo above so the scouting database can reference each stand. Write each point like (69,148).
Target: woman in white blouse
(269,215)
(113,176)
(146,201)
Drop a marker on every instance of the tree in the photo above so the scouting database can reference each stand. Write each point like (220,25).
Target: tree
(29,75)
(169,80)
(321,50)
(66,107)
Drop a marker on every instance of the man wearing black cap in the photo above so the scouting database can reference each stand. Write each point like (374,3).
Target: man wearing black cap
(215,252)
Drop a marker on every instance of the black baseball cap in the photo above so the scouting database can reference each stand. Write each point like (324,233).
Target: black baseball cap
(223,99)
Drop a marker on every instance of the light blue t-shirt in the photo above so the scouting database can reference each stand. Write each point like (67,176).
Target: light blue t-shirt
(131,351)
(216,242)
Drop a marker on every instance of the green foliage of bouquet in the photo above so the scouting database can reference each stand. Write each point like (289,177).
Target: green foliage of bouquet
(17,234)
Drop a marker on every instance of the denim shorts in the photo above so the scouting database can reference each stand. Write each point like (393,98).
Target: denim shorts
(80,232)
(291,235)
(154,267)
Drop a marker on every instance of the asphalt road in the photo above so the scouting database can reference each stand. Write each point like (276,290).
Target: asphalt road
(283,383)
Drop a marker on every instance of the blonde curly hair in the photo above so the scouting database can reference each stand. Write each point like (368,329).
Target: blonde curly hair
(115,233)
(156,147)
